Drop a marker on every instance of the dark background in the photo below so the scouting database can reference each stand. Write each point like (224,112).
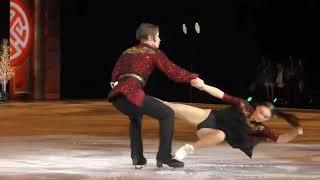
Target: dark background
(4,19)
(235,34)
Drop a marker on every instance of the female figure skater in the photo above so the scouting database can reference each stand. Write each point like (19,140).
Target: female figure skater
(240,124)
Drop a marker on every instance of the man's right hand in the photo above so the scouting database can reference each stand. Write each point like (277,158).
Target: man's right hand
(198,83)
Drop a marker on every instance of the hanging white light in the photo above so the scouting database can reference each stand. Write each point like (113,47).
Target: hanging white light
(184,28)
(197,27)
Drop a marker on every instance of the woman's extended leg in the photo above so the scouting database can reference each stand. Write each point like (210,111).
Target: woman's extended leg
(207,137)
(193,115)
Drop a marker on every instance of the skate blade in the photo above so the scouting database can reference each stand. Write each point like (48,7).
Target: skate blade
(138,167)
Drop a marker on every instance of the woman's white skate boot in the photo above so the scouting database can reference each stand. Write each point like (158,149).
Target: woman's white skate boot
(183,152)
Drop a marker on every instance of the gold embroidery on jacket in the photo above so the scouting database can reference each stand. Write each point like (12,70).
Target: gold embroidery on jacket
(244,110)
(142,50)
(258,127)
(254,127)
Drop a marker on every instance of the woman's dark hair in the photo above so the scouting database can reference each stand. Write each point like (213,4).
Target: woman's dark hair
(290,118)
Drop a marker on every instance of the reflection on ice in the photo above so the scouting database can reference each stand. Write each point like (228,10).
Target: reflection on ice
(90,157)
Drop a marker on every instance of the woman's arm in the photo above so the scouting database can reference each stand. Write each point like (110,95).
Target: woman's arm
(199,84)
(284,138)
(213,91)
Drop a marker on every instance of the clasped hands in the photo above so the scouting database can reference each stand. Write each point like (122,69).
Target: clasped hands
(198,83)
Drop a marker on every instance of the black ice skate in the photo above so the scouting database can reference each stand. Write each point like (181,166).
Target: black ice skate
(170,162)
(138,161)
